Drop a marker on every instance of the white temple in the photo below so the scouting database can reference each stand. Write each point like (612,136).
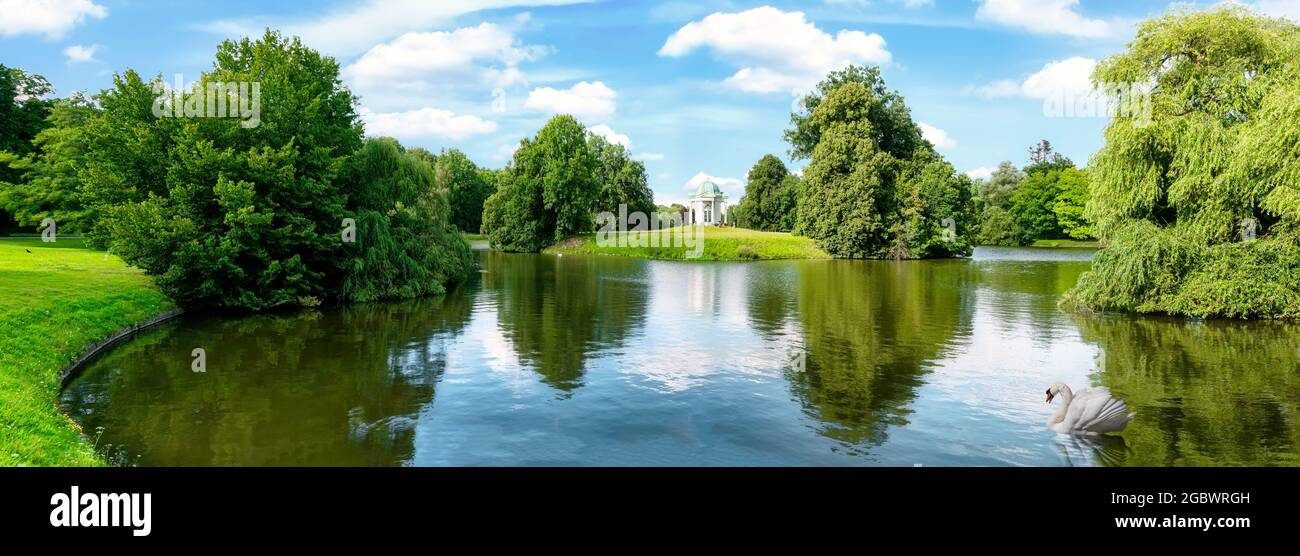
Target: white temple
(708,206)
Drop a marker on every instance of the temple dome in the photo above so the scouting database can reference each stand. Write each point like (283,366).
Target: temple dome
(708,189)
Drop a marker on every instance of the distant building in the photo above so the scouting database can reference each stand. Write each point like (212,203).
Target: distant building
(708,206)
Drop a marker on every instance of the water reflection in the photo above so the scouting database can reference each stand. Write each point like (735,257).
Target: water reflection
(545,360)
(556,312)
(871,331)
(340,387)
(1206,393)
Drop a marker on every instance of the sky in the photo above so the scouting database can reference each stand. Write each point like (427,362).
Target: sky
(696,89)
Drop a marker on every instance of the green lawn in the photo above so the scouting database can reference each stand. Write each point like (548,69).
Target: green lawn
(55,302)
(1090,243)
(474,237)
(720,244)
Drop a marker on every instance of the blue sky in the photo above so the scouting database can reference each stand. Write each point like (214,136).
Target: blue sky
(694,88)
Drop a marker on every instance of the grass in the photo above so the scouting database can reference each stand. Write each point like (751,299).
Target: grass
(474,237)
(720,244)
(1055,243)
(55,302)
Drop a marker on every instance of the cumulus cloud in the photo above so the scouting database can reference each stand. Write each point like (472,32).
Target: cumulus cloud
(937,136)
(1047,17)
(585,100)
(981,173)
(776,51)
(1069,78)
(425,123)
(487,52)
(51,18)
(80,54)
(610,135)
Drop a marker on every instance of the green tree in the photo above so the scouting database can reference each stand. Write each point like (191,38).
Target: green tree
(1033,207)
(49,186)
(891,127)
(1001,186)
(24,107)
(467,188)
(622,180)
(1043,156)
(405,245)
(770,197)
(230,216)
(847,202)
(1192,192)
(550,192)
(1071,199)
(859,200)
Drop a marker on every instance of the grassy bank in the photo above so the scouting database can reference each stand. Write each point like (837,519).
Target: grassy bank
(720,244)
(56,299)
(1064,243)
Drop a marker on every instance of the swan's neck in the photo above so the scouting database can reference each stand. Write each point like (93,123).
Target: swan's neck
(1066,397)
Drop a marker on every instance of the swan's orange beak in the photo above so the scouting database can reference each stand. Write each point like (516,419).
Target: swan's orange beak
(1049,395)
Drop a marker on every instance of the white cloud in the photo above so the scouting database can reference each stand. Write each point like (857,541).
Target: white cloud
(362,24)
(1047,17)
(506,152)
(610,135)
(733,187)
(51,18)
(647,157)
(424,123)
(1069,78)
(415,60)
(981,173)
(937,136)
(776,51)
(585,100)
(79,54)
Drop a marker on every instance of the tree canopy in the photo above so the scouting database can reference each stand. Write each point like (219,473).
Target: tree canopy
(770,197)
(550,192)
(873,194)
(1200,199)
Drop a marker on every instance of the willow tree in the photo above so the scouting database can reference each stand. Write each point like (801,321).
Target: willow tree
(1199,195)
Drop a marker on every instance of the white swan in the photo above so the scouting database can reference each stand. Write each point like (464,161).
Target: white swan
(1091,411)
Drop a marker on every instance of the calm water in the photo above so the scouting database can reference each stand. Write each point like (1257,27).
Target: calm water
(544,360)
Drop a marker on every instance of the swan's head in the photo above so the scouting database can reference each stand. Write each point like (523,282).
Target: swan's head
(1053,390)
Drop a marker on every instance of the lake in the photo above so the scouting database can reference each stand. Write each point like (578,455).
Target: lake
(546,360)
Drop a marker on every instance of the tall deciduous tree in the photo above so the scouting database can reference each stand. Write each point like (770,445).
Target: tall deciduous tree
(49,186)
(892,129)
(466,188)
(622,180)
(224,214)
(858,199)
(24,107)
(770,197)
(550,191)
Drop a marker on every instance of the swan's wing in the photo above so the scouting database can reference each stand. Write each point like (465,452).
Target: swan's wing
(1104,413)
(1087,407)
